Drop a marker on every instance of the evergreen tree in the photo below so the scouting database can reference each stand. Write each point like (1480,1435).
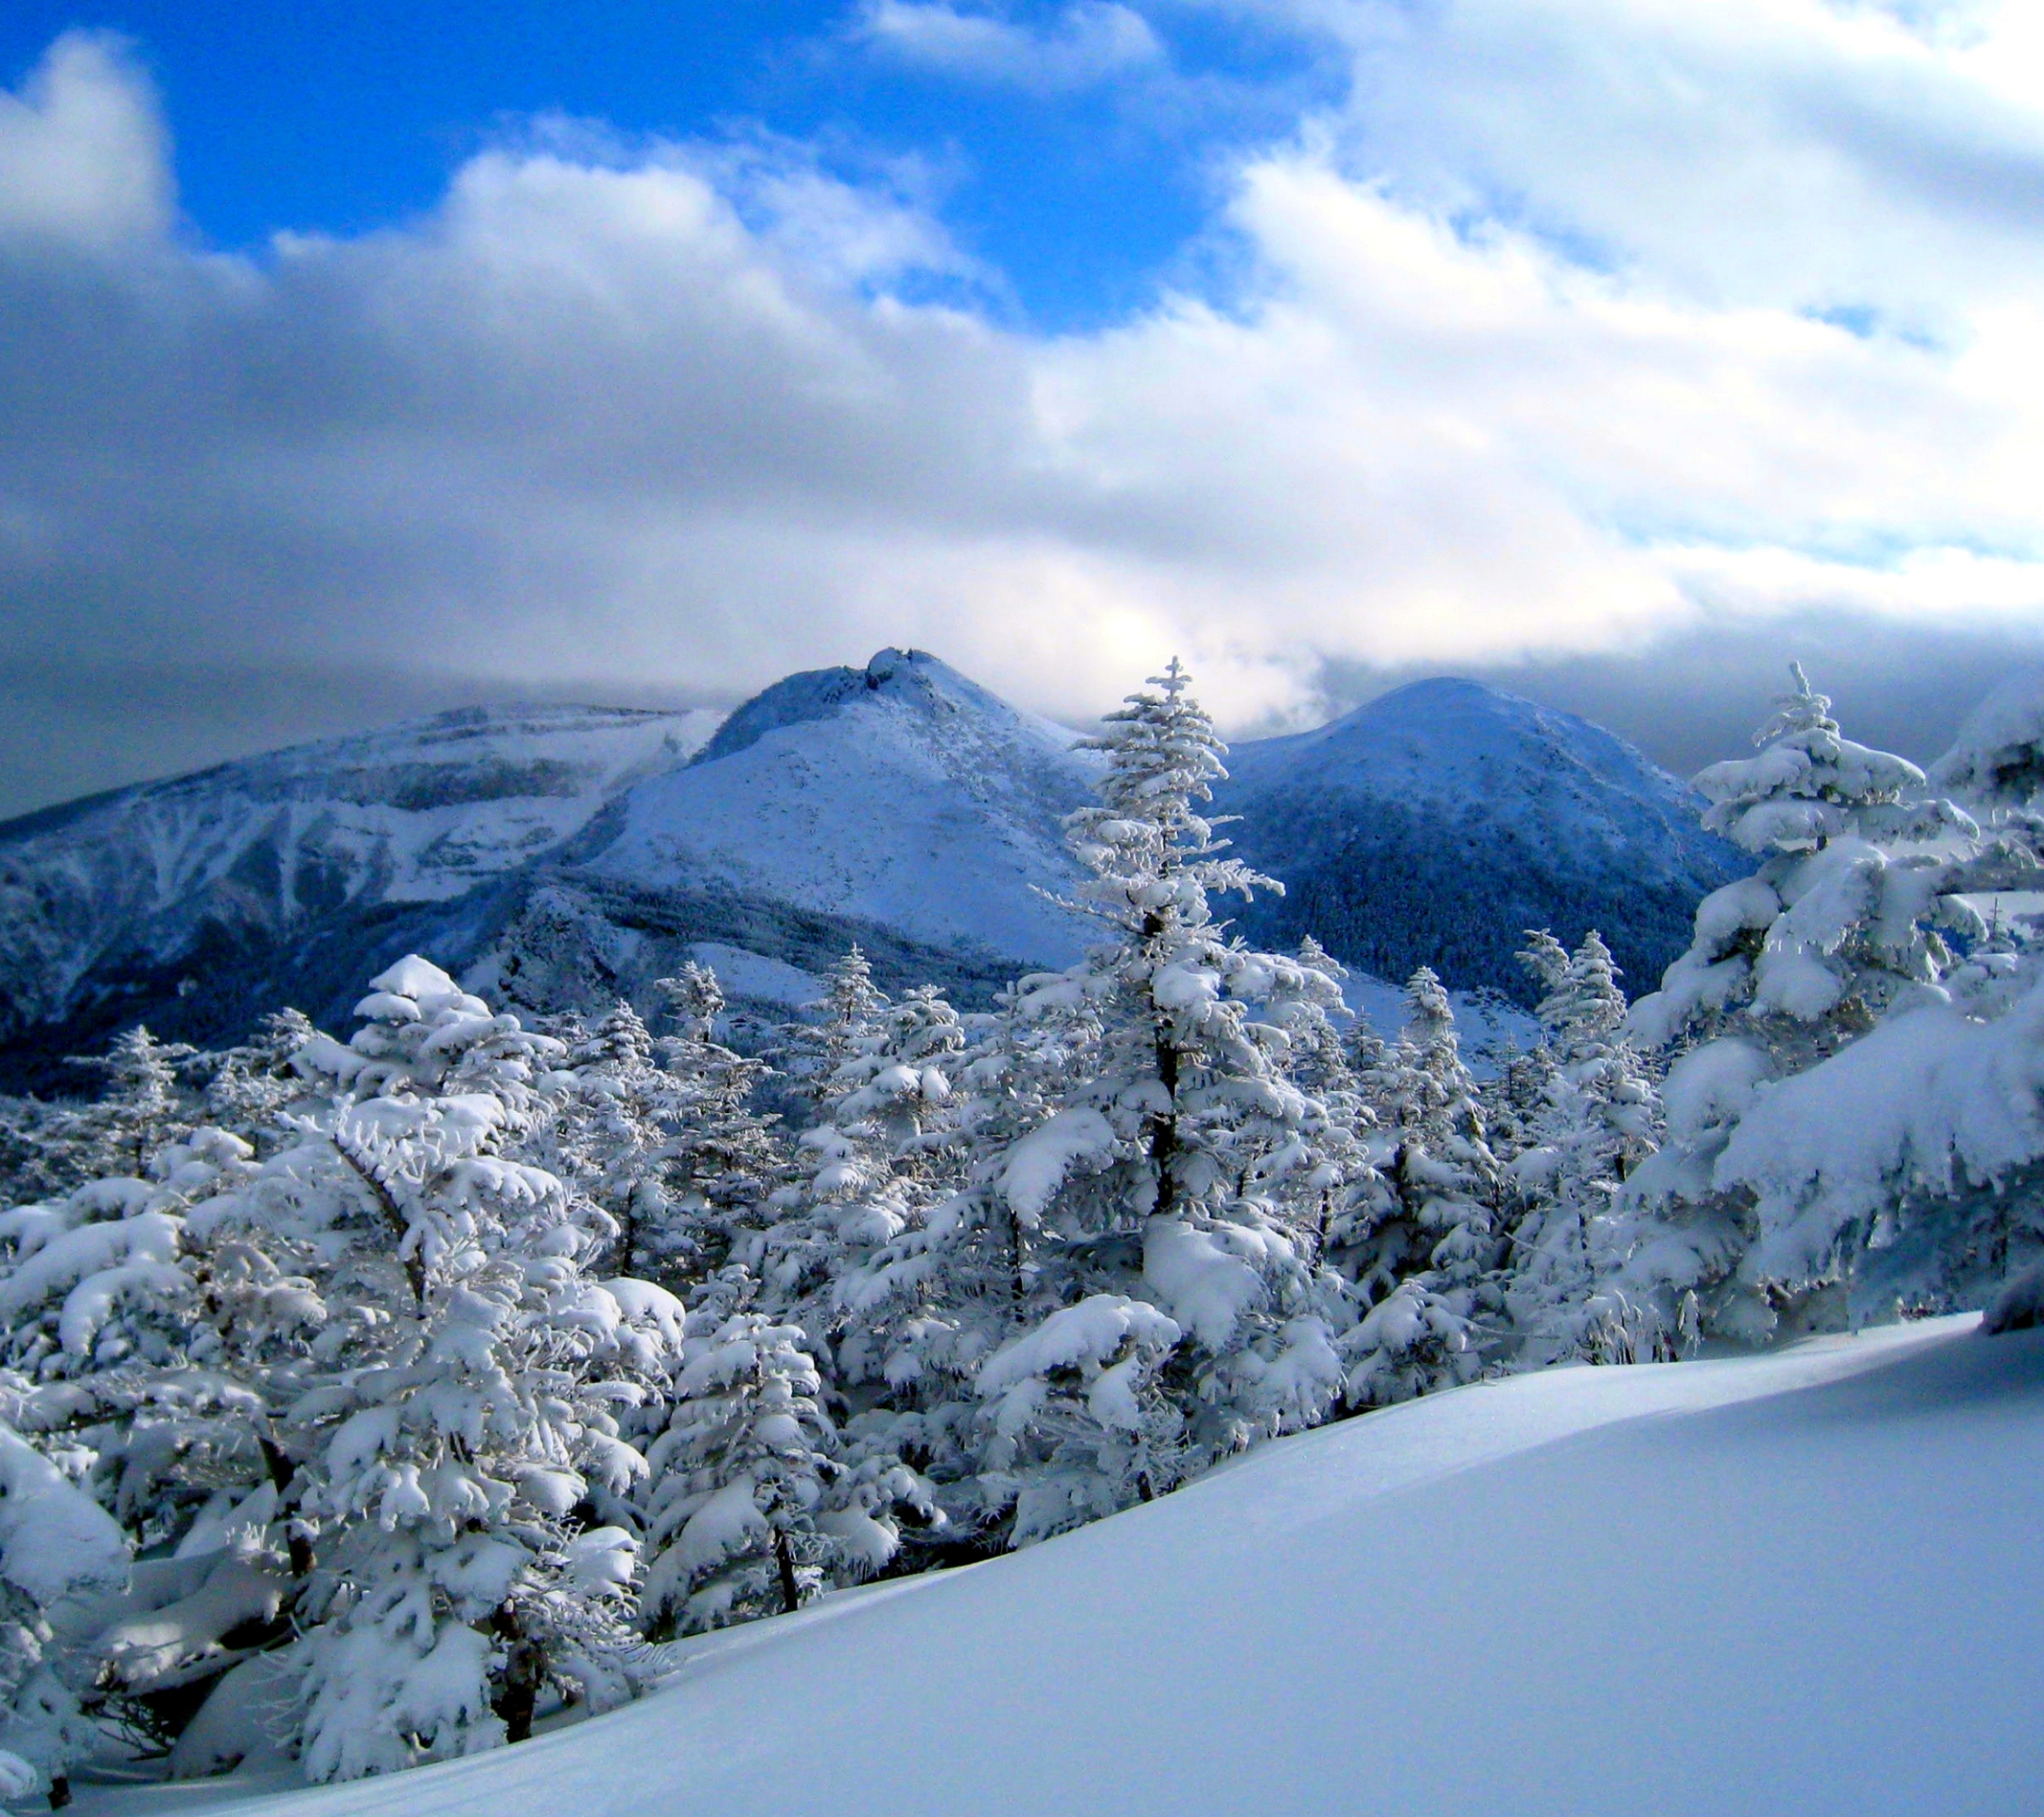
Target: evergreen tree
(1599,1118)
(57,1550)
(1423,1250)
(1132,1188)
(450,1456)
(1842,924)
(756,1501)
(721,1161)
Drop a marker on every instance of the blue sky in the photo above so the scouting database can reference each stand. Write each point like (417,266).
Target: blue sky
(1077,190)
(355,361)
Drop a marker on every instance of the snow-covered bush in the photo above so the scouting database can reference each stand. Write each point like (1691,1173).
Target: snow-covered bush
(1816,1006)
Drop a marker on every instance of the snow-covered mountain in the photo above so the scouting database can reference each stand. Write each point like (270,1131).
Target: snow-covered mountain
(561,855)
(1435,824)
(899,805)
(272,877)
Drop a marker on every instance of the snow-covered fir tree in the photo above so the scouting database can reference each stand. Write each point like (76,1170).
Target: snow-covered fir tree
(1844,924)
(1131,1193)
(58,1552)
(1422,1246)
(141,1104)
(756,1499)
(1597,1120)
(453,1454)
(358,1399)
(723,1157)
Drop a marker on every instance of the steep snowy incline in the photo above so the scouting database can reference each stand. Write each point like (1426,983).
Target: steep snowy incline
(103,893)
(1435,824)
(902,794)
(1802,1582)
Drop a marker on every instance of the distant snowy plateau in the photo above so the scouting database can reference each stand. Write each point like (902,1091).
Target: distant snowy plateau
(1510,1599)
(559,855)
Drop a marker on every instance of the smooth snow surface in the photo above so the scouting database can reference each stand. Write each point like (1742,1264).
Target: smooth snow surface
(1806,1582)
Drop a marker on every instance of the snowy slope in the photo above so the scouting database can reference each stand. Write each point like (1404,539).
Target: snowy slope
(97,897)
(1801,1582)
(1435,824)
(901,793)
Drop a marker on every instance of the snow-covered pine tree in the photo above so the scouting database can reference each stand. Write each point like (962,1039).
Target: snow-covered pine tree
(1843,924)
(1130,1194)
(836,1023)
(609,1138)
(142,1105)
(722,1159)
(143,1332)
(1423,1250)
(250,1087)
(925,1309)
(756,1501)
(59,1550)
(1597,1120)
(870,1168)
(466,1417)
(1996,761)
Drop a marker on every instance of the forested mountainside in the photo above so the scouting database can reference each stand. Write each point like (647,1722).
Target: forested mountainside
(1435,824)
(559,857)
(279,877)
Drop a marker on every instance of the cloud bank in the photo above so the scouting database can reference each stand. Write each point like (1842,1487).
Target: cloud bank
(1563,336)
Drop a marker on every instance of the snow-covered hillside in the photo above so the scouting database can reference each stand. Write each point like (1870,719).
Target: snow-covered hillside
(1807,1582)
(108,901)
(1437,824)
(899,797)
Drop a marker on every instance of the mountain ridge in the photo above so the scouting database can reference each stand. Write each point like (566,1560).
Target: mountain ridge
(559,855)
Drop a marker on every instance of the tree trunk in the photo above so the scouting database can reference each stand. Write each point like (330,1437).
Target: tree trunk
(1164,1128)
(523,1667)
(790,1590)
(282,1470)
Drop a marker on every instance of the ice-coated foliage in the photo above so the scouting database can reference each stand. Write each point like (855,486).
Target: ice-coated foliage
(1422,1246)
(1998,758)
(1148,1151)
(757,1500)
(1824,1003)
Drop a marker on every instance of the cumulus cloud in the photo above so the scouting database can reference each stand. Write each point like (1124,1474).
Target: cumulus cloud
(663,419)
(1089,43)
(82,151)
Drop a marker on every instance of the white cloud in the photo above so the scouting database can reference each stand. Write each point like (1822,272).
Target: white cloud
(1795,153)
(84,155)
(1091,41)
(608,422)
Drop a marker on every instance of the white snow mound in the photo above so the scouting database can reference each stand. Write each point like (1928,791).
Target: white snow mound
(1805,1582)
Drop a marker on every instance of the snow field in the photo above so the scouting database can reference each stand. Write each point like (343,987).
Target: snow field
(1807,1582)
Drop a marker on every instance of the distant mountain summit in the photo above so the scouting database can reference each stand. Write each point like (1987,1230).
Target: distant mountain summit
(276,878)
(1434,824)
(899,805)
(556,857)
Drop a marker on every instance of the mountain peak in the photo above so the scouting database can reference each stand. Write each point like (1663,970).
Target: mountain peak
(914,677)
